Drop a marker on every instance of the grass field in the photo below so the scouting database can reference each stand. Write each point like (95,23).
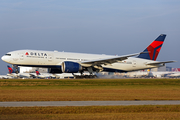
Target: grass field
(89,89)
(92,112)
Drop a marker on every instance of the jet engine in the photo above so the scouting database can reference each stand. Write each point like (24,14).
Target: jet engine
(70,67)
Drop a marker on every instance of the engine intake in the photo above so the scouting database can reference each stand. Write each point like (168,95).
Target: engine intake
(70,67)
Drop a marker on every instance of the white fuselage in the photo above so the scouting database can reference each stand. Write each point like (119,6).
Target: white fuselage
(49,59)
(5,77)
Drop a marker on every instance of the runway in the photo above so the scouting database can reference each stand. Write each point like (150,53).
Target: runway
(85,103)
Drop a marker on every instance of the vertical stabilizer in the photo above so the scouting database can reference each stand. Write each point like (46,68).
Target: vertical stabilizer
(10,70)
(152,51)
(37,72)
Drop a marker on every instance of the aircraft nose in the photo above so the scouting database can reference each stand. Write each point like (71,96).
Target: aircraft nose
(5,58)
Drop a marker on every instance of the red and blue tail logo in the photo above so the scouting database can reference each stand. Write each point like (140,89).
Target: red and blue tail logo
(152,51)
(37,72)
(10,69)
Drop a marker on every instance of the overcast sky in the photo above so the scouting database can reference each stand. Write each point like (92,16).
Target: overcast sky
(90,26)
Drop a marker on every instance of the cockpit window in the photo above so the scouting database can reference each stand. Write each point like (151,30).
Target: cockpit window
(8,54)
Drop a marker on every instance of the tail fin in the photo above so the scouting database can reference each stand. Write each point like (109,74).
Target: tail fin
(10,70)
(37,72)
(152,51)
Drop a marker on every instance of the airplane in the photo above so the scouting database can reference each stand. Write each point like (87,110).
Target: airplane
(161,74)
(64,75)
(28,75)
(170,74)
(12,73)
(57,76)
(174,75)
(149,74)
(37,75)
(68,62)
(5,77)
(42,75)
(137,74)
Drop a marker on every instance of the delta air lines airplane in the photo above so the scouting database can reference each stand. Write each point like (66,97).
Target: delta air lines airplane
(13,74)
(67,62)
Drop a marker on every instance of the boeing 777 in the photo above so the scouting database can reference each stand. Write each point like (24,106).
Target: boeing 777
(67,62)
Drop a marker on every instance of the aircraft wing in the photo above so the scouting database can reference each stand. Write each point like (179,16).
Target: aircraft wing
(13,75)
(32,75)
(108,60)
(157,62)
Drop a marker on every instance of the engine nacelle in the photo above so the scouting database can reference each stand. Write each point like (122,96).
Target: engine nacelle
(70,67)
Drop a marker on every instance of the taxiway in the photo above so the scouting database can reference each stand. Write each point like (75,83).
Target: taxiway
(85,103)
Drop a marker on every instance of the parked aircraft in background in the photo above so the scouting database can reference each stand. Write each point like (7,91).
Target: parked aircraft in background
(66,62)
(5,77)
(38,75)
(54,76)
(174,75)
(149,74)
(19,75)
(57,76)
(64,75)
(161,74)
(136,74)
(43,75)
(28,75)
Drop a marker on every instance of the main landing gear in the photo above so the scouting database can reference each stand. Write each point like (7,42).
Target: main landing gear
(15,68)
(82,75)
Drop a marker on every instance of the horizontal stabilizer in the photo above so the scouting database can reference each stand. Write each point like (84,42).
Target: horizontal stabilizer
(157,62)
